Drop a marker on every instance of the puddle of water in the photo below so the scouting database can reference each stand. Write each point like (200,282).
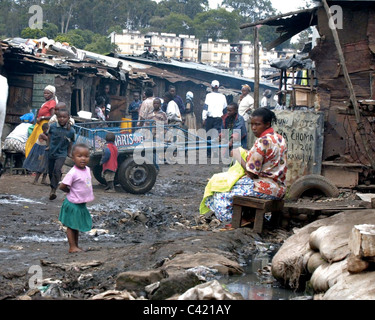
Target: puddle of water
(12,199)
(36,238)
(5,251)
(252,285)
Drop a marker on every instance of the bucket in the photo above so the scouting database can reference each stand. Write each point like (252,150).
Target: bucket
(126,123)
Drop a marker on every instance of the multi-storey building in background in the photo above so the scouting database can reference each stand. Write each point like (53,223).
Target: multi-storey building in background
(236,58)
(167,45)
(129,42)
(216,53)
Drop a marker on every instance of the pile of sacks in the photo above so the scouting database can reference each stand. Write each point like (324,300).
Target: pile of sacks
(332,256)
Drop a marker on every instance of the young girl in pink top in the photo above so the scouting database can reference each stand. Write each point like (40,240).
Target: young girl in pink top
(77,184)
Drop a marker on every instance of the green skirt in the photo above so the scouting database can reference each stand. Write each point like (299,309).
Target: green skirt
(75,216)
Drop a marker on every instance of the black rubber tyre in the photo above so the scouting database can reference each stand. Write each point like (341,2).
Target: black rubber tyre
(97,172)
(136,178)
(310,183)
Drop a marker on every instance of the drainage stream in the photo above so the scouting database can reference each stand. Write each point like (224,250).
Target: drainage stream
(257,282)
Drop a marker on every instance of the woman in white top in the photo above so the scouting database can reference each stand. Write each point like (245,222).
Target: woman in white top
(16,140)
(246,102)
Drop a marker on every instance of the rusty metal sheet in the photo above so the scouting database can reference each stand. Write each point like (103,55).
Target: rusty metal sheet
(167,75)
(304,133)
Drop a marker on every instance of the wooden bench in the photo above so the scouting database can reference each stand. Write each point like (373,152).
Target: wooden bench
(257,206)
(11,157)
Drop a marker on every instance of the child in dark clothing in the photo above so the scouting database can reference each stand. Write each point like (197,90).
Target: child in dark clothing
(109,162)
(60,137)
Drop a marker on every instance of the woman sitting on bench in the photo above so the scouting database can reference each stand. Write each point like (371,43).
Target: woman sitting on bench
(259,173)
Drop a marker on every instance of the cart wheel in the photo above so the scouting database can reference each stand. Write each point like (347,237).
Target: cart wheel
(136,178)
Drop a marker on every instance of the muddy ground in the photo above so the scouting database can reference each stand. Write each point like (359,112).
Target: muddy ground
(130,232)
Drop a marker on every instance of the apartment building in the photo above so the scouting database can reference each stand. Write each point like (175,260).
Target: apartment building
(169,45)
(189,48)
(129,42)
(216,53)
(240,57)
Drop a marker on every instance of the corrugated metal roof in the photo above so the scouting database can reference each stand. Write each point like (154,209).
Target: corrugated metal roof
(190,65)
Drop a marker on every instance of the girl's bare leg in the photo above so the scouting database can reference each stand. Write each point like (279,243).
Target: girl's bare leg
(73,240)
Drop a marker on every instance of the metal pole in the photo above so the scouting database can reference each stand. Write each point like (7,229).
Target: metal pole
(256,65)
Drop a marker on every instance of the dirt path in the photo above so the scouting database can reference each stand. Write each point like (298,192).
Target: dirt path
(129,232)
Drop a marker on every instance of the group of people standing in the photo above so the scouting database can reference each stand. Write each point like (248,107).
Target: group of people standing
(169,109)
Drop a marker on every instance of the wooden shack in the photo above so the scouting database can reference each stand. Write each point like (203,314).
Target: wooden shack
(77,80)
(344,69)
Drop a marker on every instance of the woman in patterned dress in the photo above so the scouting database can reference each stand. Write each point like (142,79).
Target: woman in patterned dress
(264,169)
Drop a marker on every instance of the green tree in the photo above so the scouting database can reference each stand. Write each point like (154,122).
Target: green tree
(189,8)
(252,10)
(29,33)
(173,23)
(50,29)
(72,38)
(101,45)
(86,35)
(217,24)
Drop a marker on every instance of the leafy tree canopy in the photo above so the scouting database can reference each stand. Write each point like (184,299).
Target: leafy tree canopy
(87,23)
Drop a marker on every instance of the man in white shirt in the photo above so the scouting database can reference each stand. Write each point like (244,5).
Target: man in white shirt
(173,111)
(214,107)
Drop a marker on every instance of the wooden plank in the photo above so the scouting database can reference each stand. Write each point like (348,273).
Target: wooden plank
(258,223)
(237,216)
(250,202)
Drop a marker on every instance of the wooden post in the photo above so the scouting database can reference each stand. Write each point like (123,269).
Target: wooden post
(256,65)
(353,97)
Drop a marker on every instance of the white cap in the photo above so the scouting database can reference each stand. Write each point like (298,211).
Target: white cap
(215,84)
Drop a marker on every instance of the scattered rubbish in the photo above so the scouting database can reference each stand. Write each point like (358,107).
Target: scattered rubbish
(97,232)
(212,290)
(204,273)
(150,289)
(114,295)
(72,266)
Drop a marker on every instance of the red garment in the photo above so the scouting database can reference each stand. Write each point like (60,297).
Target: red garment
(111,164)
(45,110)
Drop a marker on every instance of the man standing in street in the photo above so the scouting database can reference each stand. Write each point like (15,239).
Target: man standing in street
(177,99)
(213,109)
(146,107)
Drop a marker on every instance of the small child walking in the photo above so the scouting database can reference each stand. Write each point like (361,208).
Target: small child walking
(109,162)
(77,184)
(37,161)
(60,140)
